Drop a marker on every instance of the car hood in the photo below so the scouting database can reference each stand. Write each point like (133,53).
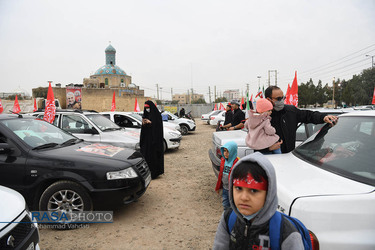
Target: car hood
(127,135)
(11,206)
(297,178)
(105,155)
(222,137)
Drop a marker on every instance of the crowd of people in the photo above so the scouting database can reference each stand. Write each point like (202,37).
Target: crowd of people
(249,194)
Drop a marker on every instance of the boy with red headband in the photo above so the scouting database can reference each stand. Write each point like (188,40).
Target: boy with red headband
(253,199)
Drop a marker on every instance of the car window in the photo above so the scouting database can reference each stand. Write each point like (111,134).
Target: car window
(346,149)
(74,124)
(123,121)
(55,121)
(103,123)
(106,116)
(301,133)
(36,132)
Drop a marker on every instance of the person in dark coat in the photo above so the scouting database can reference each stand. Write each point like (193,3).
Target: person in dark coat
(151,141)
(182,112)
(285,119)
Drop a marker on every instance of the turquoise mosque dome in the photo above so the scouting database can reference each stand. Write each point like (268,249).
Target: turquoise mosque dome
(110,68)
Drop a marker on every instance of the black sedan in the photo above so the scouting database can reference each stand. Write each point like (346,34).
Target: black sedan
(56,171)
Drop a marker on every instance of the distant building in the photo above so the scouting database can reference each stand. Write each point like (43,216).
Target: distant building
(112,76)
(232,94)
(186,98)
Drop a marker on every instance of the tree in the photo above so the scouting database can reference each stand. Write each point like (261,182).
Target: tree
(221,99)
(174,102)
(158,102)
(199,101)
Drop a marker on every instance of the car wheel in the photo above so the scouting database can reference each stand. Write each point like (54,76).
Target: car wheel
(184,129)
(164,146)
(65,196)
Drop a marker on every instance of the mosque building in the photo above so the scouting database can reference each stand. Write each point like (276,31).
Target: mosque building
(110,75)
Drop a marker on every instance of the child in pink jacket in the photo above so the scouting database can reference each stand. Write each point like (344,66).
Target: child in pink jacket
(261,135)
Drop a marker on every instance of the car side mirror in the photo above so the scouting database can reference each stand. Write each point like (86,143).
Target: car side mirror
(92,131)
(135,125)
(5,148)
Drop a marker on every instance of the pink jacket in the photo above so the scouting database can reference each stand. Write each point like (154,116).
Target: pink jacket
(261,134)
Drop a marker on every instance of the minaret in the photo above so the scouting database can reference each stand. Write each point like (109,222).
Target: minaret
(110,55)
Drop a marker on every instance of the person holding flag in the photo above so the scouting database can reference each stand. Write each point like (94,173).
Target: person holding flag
(285,119)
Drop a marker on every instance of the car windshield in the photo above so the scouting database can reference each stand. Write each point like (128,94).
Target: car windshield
(136,116)
(103,123)
(346,149)
(38,133)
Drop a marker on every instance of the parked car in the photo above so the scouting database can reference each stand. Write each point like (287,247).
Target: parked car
(215,119)
(185,124)
(18,229)
(92,126)
(172,137)
(220,138)
(206,117)
(328,182)
(56,171)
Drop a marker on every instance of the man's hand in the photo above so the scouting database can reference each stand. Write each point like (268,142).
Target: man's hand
(275,146)
(331,119)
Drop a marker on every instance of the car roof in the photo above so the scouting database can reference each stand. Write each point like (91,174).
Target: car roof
(83,111)
(369,113)
(14,116)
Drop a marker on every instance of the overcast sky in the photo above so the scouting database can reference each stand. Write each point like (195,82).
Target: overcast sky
(185,44)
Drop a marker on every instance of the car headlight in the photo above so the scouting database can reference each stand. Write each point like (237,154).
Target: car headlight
(123,174)
(173,134)
(190,122)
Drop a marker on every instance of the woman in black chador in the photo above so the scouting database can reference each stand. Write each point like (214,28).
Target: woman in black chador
(152,139)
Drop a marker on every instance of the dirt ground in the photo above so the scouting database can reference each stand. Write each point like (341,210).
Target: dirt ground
(180,209)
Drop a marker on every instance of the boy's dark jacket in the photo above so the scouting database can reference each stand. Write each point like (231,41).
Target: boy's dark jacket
(257,230)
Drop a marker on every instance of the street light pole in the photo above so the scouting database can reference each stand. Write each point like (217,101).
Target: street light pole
(372,61)
(333,96)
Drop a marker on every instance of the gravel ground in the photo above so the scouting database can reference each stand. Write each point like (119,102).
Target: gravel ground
(180,209)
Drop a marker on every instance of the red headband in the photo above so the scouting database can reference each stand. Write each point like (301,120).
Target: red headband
(250,182)
(147,106)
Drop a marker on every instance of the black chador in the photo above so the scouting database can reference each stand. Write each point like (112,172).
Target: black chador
(152,139)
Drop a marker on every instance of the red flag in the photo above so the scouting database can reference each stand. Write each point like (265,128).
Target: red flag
(242,102)
(113,102)
(50,110)
(16,106)
(293,98)
(136,106)
(373,97)
(215,107)
(1,107)
(35,108)
(287,96)
(221,107)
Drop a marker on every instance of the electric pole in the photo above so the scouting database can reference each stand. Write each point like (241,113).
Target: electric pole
(215,93)
(157,90)
(209,93)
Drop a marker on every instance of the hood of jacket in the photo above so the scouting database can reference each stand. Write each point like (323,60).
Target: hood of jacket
(256,119)
(231,146)
(270,205)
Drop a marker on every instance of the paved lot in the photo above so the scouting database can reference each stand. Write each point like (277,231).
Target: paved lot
(180,209)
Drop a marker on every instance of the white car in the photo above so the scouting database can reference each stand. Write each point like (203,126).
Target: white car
(93,127)
(328,182)
(172,136)
(185,124)
(206,117)
(215,119)
(18,229)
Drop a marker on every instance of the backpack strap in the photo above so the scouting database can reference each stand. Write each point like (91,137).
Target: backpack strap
(275,230)
(232,219)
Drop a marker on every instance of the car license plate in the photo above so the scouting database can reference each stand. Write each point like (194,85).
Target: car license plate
(148,180)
